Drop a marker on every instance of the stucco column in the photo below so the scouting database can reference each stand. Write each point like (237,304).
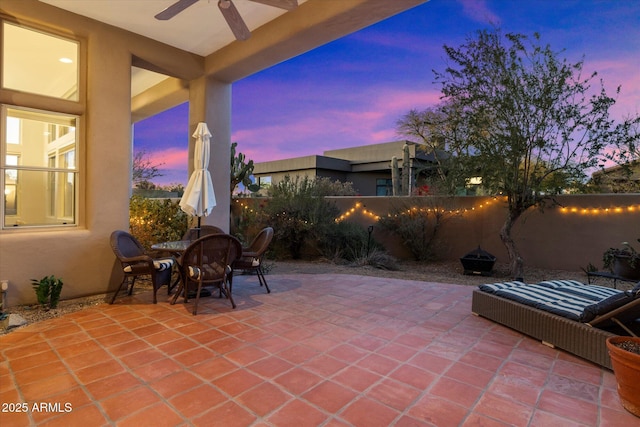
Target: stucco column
(210,102)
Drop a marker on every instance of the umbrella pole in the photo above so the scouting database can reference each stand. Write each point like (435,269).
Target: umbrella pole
(198,227)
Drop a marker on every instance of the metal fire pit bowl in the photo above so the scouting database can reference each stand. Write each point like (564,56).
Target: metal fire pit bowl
(478,262)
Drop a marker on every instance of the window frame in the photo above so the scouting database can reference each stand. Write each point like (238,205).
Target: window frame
(57,200)
(53,106)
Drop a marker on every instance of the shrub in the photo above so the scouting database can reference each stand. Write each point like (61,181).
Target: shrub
(417,226)
(346,241)
(299,213)
(378,259)
(156,220)
(48,291)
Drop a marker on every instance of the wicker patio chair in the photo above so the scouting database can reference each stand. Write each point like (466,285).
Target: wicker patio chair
(207,262)
(136,262)
(252,256)
(205,230)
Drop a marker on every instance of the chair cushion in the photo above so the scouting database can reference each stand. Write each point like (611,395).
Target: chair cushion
(159,264)
(194,272)
(210,270)
(163,263)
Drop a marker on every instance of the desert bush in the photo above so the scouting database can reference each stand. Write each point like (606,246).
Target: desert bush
(297,210)
(417,225)
(345,241)
(156,220)
(376,258)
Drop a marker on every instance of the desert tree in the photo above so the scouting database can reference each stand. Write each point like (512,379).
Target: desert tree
(437,131)
(143,170)
(530,117)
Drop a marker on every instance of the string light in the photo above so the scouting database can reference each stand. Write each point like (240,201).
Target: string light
(410,210)
(566,210)
(600,211)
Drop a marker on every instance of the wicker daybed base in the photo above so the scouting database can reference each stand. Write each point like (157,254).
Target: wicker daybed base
(574,337)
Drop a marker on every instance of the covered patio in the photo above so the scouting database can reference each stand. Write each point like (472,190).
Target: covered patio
(330,349)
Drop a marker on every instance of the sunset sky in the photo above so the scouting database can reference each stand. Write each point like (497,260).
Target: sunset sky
(352,92)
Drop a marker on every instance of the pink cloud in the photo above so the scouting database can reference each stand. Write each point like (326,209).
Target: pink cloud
(478,11)
(621,73)
(398,102)
(169,158)
(331,128)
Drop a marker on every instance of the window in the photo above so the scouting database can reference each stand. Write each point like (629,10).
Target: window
(39,149)
(39,63)
(40,168)
(264,181)
(384,187)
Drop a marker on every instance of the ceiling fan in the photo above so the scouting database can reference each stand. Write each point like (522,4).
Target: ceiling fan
(229,12)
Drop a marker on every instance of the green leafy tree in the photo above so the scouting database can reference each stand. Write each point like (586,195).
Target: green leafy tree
(527,115)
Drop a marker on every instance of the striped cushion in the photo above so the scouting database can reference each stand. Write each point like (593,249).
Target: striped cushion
(492,288)
(567,298)
(592,292)
(163,263)
(573,287)
(160,264)
(547,299)
(555,284)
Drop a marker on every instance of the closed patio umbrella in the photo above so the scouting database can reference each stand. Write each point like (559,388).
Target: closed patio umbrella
(198,198)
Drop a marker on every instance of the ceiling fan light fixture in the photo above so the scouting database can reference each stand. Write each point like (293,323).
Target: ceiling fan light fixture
(224,4)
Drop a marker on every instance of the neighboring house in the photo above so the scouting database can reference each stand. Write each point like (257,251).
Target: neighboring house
(367,167)
(618,179)
(74,77)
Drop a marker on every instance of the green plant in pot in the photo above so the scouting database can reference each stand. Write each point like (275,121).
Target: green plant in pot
(47,291)
(623,261)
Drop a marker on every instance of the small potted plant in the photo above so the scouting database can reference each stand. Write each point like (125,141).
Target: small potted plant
(625,359)
(623,261)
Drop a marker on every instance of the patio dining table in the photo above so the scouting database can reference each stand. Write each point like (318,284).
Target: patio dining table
(176,247)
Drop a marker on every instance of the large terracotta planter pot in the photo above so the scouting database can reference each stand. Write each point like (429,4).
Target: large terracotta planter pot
(626,367)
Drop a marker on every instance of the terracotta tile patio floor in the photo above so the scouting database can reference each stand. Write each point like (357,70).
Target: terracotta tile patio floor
(330,350)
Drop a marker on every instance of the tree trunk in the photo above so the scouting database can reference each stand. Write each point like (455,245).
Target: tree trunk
(516,264)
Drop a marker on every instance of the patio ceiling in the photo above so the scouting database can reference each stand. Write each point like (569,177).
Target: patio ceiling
(199,29)
(276,35)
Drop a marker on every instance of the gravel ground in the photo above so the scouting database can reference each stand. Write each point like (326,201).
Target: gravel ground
(441,272)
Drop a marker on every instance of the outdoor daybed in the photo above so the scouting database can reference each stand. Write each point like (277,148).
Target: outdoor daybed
(566,314)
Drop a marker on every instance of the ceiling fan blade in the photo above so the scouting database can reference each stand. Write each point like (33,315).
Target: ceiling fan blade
(174,9)
(233,18)
(282,4)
